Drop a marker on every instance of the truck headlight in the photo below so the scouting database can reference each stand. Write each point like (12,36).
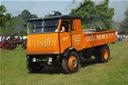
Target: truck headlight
(34,59)
(50,59)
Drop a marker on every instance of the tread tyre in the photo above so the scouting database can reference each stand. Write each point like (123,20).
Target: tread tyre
(34,67)
(103,54)
(70,63)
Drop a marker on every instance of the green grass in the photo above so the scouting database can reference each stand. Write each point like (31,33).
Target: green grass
(13,70)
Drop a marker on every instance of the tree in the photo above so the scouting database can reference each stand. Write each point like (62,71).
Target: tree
(15,24)
(105,15)
(2,16)
(95,15)
(8,16)
(86,11)
(34,16)
(26,15)
(21,20)
(124,25)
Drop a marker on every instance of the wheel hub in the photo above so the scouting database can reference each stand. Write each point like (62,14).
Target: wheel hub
(105,54)
(72,63)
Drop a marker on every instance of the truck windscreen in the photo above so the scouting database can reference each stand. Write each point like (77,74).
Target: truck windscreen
(48,26)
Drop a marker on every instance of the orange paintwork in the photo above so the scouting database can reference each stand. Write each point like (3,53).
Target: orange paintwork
(76,35)
(46,43)
(65,41)
(57,43)
(105,54)
(43,43)
(99,38)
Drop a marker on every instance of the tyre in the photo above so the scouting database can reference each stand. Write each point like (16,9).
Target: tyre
(70,63)
(14,45)
(34,67)
(102,53)
(7,46)
(24,45)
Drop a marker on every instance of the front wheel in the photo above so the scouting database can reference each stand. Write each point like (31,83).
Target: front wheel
(70,63)
(34,67)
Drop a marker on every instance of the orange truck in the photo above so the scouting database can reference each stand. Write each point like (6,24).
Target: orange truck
(60,41)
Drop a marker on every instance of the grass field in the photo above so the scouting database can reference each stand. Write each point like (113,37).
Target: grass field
(13,70)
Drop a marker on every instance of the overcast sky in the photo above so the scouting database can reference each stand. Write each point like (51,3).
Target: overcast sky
(43,7)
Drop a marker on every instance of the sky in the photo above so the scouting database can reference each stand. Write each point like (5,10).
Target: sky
(43,7)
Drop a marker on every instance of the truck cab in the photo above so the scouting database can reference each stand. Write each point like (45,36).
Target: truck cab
(46,36)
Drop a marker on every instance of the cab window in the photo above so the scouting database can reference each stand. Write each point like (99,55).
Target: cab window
(65,26)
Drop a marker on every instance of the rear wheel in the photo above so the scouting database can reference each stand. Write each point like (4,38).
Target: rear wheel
(102,53)
(70,64)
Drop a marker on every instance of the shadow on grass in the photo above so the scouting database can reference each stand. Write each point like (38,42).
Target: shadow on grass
(58,70)
(50,70)
(89,62)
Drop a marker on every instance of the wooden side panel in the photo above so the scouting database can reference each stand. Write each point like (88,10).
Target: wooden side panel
(99,38)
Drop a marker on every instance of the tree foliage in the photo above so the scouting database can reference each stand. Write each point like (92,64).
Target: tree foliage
(95,15)
(9,23)
(26,15)
(124,25)
(2,16)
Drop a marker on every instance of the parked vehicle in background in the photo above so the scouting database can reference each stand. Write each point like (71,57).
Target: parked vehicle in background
(24,45)
(10,41)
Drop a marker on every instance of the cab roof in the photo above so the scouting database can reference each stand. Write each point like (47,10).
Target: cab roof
(56,17)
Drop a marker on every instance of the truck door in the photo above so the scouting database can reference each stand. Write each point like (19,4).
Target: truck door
(65,36)
(76,34)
